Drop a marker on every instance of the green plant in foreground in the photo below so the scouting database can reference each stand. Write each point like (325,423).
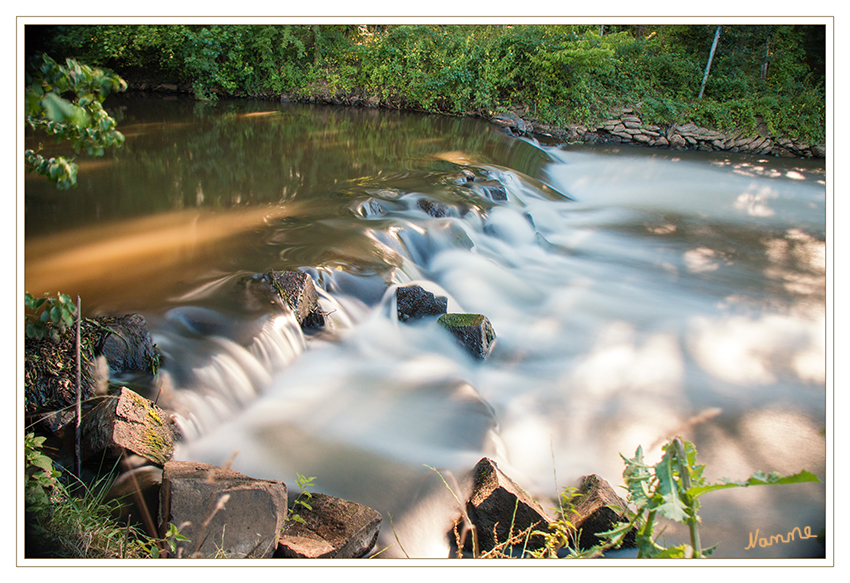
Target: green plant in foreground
(77,522)
(58,314)
(42,484)
(671,489)
(304,484)
(168,543)
(561,533)
(64,102)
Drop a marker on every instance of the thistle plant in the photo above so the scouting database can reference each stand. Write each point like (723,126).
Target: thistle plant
(671,489)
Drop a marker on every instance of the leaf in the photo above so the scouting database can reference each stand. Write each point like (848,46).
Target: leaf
(757,479)
(679,552)
(672,506)
(304,504)
(637,477)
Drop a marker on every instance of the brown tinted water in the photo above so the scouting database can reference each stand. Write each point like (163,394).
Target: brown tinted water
(632,291)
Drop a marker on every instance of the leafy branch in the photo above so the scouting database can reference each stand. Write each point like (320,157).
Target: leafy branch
(64,102)
(58,314)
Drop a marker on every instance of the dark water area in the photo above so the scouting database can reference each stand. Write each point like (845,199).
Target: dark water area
(636,294)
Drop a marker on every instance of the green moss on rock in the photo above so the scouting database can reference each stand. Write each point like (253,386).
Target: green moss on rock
(472,331)
(460,320)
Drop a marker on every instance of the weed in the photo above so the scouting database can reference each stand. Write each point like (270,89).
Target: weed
(304,484)
(671,489)
(65,521)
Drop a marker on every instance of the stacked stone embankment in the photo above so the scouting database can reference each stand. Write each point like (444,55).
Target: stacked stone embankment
(626,126)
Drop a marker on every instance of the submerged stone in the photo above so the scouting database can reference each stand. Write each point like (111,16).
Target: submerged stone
(472,331)
(297,290)
(414,302)
(490,189)
(434,209)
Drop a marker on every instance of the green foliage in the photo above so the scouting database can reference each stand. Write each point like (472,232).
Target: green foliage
(48,317)
(72,522)
(64,102)
(559,73)
(42,485)
(561,533)
(167,545)
(304,484)
(671,489)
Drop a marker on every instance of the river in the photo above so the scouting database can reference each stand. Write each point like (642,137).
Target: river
(636,294)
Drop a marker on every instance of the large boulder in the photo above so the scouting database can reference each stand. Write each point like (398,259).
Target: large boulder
(414,302)
(332,528)
(472,331)
(127,422)
(222,512)
(499,509)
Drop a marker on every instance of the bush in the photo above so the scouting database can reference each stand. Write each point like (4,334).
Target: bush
(560,73)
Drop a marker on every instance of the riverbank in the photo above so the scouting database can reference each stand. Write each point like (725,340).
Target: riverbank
(623,125)
(704,86)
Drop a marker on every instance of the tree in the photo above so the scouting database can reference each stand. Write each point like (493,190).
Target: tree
(64,101)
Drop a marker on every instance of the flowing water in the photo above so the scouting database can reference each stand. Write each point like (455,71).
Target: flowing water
(636,294)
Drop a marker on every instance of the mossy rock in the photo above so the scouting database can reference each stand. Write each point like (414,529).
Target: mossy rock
(294,288)
(472,331)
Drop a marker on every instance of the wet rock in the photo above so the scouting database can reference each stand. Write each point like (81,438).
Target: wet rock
(597,509)
(434,209)
(371,208)
(511,121)
(127,422)
(496,504)
(490,189)
(223,513)
(472,331)
(297,290)
(128,347)
(332,529)
(414,302)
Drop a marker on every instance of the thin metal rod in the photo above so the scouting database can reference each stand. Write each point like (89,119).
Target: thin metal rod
(79,400)
(708,65)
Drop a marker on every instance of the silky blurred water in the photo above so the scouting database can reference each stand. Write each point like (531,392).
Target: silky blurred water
(636,294)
